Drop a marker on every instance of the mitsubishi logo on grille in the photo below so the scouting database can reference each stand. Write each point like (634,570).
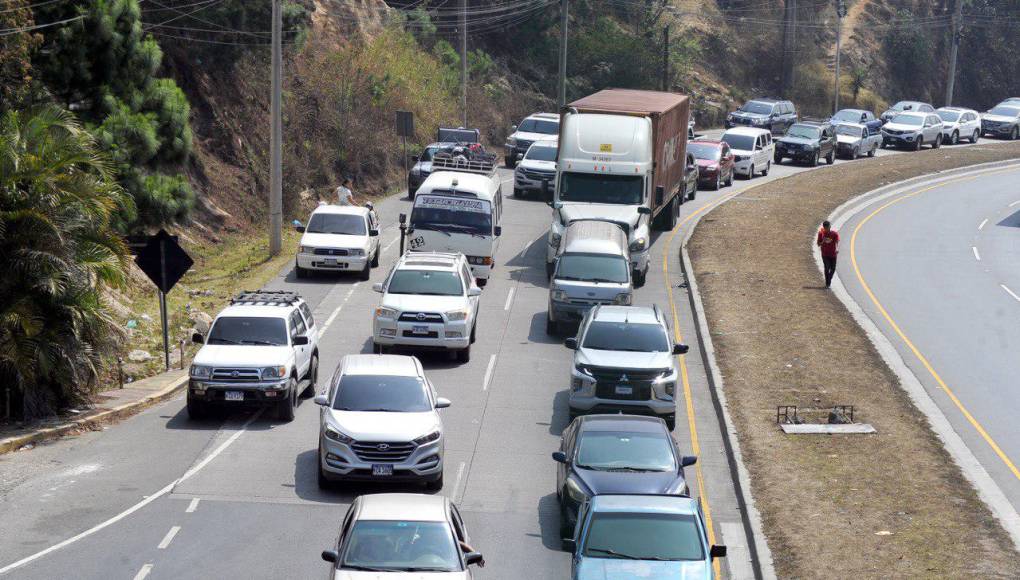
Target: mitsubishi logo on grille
(421,316)
(234,374)
(624,379)
(383,447)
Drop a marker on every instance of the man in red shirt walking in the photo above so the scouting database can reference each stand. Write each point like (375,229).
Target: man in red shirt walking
(828,241)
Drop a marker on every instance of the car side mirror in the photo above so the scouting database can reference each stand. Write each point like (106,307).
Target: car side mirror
(373,233)
(332,556)
(321,400)
(680,349)
(497,231)
(688,460)
(301,340)
(197,338)
(644,210)
(474,291)
(717,552)
(442,402)
(570,545)
(513,128)
(377,287)
(472,558)
(570,343)
(559,457)
(299,229)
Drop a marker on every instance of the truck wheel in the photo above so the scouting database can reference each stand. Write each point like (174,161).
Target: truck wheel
(831,158)
(435,484)
(670,222)
(313,377)
(718,181)
(379,348)
(197,410)
(751,172)
(778,158)
(285,408)
(510,163)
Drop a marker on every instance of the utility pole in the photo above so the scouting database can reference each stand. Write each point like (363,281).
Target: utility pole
(463,62)
(665,58)
(562,77)
(276,138)
(789,35)
(840,13)
(957,25)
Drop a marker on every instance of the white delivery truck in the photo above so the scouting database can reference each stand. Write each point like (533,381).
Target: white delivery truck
(621,159)
(458,209)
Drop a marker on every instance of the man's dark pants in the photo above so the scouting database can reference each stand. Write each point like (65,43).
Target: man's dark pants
(830,268)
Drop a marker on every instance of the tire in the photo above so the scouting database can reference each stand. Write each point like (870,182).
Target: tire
(938,141)
(814,160)
(729,180)
(955,138)
(639,278)
(718,181)
(299,272)
(435,484)
(831,158)
(670,421)
(871,152)
(918,144)
(517,193)
(510,163)
(751,172)
(768,165)
(197,410)
(778,159)
(464,355)
(974,138)
(566,531)
(1014,134)
(670,222)
(366,273)
(379,348)
(285,408)
(549,268)
(482,282)
(854,154)
(375,258)
(473,328)
(313,377)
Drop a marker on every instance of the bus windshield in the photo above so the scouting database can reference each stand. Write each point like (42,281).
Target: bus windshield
(463,215)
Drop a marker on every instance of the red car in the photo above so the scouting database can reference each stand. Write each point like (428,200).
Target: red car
(715,162)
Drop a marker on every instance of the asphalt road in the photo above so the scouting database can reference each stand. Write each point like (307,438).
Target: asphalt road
(160,496)
(943,265)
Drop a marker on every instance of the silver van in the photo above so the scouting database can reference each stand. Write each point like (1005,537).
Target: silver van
(592,267)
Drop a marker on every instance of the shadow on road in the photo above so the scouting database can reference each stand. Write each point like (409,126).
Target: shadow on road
(536,332)
(549,522)
(306,484)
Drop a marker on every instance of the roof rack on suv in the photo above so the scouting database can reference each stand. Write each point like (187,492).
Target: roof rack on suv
(267,297)
(479,164)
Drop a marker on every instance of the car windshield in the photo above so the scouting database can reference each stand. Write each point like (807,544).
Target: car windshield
(395,394)
(539,126)
(1005,111)
(948,116)
(398,546)
(426,282)
(592,268)
(602,188)
(626,336)
(756,108)
(427,154)
(704,151)
(915,120)
(263,331)
(849,130)
(644,536)
(455,215)
(848,116)
(607,450)
(541,153)
(331,223)
(803,131)
(739,142)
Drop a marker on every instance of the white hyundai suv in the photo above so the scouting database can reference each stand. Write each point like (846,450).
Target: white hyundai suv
(430,302)
(379,421)
(339,238)
(913,131)
(958,124)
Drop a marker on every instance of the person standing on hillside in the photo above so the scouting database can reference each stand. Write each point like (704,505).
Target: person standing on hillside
(344,193)
(828,241)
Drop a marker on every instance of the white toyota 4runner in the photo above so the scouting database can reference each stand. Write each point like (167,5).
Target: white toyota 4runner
(262,350)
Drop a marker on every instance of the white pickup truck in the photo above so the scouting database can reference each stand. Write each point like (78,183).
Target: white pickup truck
(262,350)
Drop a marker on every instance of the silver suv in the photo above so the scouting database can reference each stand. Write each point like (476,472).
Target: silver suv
(625,361)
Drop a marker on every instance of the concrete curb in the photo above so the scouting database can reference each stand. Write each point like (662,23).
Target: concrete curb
(971,468)
(120,412)
(761,556)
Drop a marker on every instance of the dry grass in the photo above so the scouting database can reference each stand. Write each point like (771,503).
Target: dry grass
(781,340)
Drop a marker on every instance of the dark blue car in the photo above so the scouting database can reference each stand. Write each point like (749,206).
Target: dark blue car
(856,117)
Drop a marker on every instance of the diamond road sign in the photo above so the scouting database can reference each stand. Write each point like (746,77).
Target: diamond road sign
(163,260)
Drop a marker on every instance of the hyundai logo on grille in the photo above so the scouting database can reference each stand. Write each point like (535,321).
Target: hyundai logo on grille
(234,374)
(421,316)
(383,446)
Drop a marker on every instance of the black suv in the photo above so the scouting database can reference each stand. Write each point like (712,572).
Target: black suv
(808,141)
(773,114)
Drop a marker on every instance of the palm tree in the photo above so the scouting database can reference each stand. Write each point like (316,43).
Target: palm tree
(58,253)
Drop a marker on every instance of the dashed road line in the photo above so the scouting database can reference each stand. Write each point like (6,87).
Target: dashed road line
(337,310)
(509,298)
(977,256)
(456,483)
(488,372)
(143,572)
(192,506)
(169,537)
(390,245)
(982,226)
(1010,292)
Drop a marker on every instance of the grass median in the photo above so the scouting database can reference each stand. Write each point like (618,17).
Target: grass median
(891,505)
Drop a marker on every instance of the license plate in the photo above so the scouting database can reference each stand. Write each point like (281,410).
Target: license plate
(233,396)
(331,261)
(382,470)
(624,390)
(420,329)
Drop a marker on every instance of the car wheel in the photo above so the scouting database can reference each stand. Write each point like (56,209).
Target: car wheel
(197,410)
(285,408)
(1014,134)
(517,192)
(955,138)
(768,166)
(639,278)
(566,530)
(313,377)
(975,136)
(375,257)
(435,484)
(694,194)
(473,328)
(778,159)
(871,152)
(464,355)
(831,158)
(718,181)
(751,172)
(918,144)
(670,421)
(366,273)
(938,141)
(814,160)
(729,180)
(379,348)
(300,272)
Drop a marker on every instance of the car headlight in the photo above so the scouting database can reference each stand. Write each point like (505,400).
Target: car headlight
(457,315)
(511,142)
(334,434)
(356,252)
(277,372)
(622,298)
(427,438)
(559,296)
(639,244)
(306,249)
(574,491)
(201,372)
(758,121)
(554,239)
(382,312)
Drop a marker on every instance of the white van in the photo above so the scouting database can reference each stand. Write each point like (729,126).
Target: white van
(753,150)
(458,209)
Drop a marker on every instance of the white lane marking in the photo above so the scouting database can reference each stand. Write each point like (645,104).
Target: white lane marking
(977,256)
(169,537)
(456,483)
(509,298)
(982,226)
(1014,203)
(336,311)
(144,572)
(192,506)
(1010,292)
(488,372)
(390,245)
(148,499)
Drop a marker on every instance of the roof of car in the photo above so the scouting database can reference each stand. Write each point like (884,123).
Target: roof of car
(749,131)
(769,100)
(594,236)
(403,507)
(954,109)
(476,183)
(852,111)
(381,364)
(645,504)
(910,103)
(429,261)
(544,116)
(855,125)
(258,310)
(633,423)
(707,141)
(341,209)
(635,314)
(914,113)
